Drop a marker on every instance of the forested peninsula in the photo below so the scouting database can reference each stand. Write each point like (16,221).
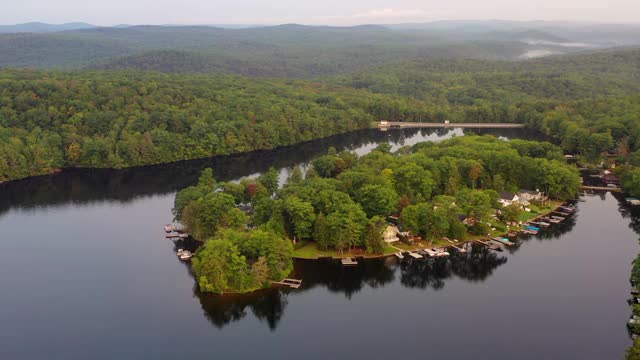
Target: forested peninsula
(343,202)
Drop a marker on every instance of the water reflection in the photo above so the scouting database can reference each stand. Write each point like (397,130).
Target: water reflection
(475,266)
(82,186)
(267,305)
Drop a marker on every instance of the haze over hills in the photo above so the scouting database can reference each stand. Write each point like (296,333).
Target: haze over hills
(292,50)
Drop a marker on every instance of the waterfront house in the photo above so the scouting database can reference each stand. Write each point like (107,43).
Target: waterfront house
(527,196)
(508,198)
(390,234)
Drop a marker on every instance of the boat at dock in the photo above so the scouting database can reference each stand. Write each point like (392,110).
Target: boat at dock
(399,255)
(430,252)
(540,223)
(460,249)
(184,254)
(503,241)
(169,228)
(415,255)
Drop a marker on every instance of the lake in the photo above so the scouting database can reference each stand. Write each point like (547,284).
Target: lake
(87,273)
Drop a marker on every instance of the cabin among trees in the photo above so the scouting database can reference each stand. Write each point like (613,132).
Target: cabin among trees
(390,234)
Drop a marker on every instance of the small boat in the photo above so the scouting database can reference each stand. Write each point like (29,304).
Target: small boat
(430,252)
(180,251)
(460,249)
(169,228)
(529,227)
(186,255)
(399,255)
(504,241)
(415,255)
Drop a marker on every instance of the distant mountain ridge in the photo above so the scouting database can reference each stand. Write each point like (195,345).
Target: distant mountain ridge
(294,50)
(38,27)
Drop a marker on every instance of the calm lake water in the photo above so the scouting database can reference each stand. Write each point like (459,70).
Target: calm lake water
(86,273)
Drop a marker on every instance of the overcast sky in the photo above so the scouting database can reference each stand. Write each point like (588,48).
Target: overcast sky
(331,12)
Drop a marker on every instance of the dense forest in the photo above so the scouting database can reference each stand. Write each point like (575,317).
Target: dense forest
(475,82)
(50,120)
(343,202)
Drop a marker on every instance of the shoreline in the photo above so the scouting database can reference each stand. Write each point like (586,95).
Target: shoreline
(445,247)
(370,127)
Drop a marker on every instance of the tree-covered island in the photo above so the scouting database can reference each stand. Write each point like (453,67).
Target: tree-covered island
(448,189)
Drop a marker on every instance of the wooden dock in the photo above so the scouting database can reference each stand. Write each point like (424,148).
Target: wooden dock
(406,124)
(349,262)
(491,246)
(292,283)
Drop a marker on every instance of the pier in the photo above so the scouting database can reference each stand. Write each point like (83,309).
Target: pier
(292,283)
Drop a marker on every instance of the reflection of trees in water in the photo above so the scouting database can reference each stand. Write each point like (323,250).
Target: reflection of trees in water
(476,265)
(267,305)
(423,273)
(629,212)
(348,280)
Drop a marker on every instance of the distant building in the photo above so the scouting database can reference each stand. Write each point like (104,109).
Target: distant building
(390,234)
(508,198)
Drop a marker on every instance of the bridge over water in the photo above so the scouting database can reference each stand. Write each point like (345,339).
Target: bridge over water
(402,124)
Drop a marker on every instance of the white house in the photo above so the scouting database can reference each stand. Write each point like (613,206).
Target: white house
(390,234)
(508,198)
